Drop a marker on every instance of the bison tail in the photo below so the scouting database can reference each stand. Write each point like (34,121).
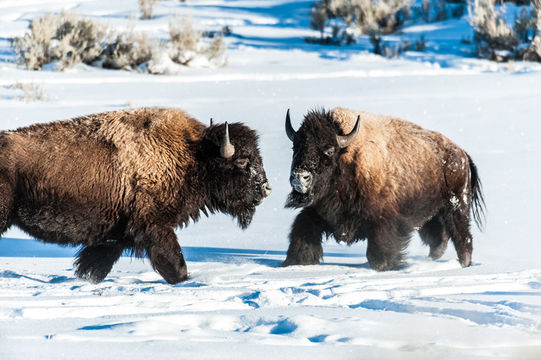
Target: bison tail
(478,201)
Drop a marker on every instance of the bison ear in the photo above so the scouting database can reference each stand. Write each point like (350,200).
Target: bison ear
(345,140)
(289,129)
(226,149)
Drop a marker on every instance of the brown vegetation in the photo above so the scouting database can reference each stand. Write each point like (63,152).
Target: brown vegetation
(69,40)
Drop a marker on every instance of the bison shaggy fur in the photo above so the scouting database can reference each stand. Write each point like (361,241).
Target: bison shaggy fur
(389,178)
(123,180)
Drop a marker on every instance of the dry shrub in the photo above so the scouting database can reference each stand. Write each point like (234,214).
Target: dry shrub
(318,19)
(498,41)
(31,92)
(128,51)
(215,50)
(33,48)
(524,25)
(65,38)
(394,50)
(533,53)
(185,39)
(384,15)
(439,10)
(147,8)
(426,5)
(372,17)
(69,40)
(420,45)
(495,40)
(79,41)
(188,45)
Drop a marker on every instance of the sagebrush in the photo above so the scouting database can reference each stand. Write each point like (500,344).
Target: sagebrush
(493,37)
(68,40)
(147,8)
(373,17)
(65,38)
(384,15)
(188,44)
(533,52)
(128,50)
(30,92)
(496,40)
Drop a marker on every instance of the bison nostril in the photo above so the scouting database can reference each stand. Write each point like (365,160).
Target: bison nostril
(301,180)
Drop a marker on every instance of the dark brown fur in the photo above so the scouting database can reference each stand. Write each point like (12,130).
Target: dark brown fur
(124,180)
(395,177)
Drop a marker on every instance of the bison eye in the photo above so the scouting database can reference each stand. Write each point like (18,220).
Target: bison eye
(241,163)
(329,152)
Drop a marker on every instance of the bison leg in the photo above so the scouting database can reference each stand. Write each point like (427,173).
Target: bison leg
(305,239)
(386,245)
(95,262)
(166,256)
(458,226)
(434,235)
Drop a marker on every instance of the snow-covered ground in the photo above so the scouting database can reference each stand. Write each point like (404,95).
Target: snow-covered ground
(238,302)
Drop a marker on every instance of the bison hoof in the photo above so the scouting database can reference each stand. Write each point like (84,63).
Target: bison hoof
(379,266)
(175,277)
(385,265)
(289,261)
(437,252)
(92,275)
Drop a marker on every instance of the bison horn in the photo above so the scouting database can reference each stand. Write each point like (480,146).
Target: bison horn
(345,140)
(211,122)
(289,129)
(227,149)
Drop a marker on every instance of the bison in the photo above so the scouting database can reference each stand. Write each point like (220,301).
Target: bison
(358,175)
(123,180)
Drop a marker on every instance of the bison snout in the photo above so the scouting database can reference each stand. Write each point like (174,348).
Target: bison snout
(301,180)
(267,189)
(265,192)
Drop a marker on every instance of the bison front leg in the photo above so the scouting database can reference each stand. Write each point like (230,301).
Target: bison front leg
(305,239)
(93,263)
(386,245)
(166,255)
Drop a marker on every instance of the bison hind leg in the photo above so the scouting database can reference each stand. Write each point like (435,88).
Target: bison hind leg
(93,263)
(457,224)
(433,234)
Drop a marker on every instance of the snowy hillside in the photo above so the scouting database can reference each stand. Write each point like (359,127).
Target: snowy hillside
(238,302)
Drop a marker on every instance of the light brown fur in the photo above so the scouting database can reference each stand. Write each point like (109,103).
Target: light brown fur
(129,162)
(372,154)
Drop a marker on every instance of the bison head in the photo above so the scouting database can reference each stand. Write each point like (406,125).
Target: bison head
(317,147)
(235,176)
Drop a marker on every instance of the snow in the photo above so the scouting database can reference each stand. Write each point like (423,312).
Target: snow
(238,302)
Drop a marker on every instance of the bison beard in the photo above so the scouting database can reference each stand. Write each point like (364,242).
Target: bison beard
(378,180)
(297,200)
(124,180)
